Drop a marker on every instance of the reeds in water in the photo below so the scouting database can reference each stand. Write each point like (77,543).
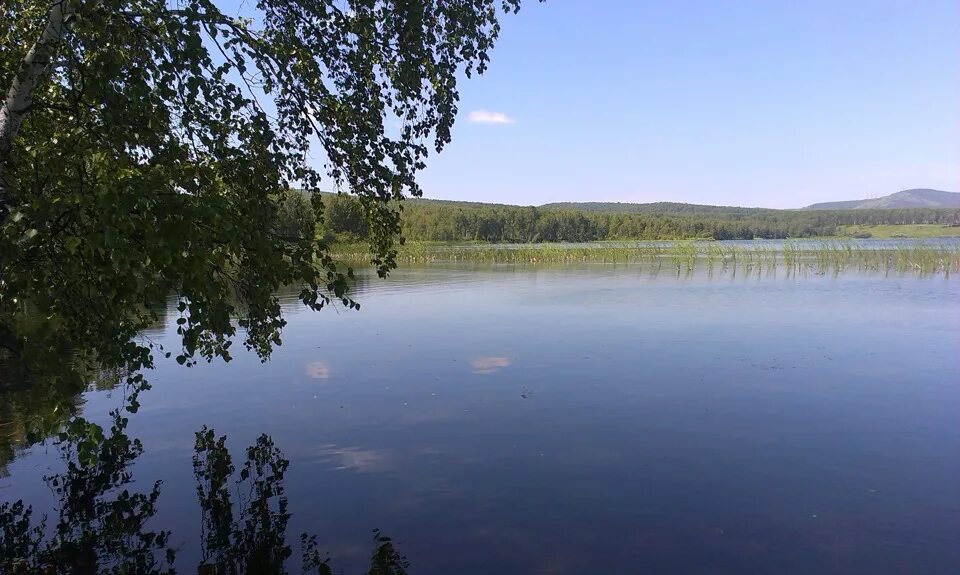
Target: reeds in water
(791,256)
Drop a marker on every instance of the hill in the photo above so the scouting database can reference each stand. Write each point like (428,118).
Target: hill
(457,221)
(920,198)
(916,198)
(651,208)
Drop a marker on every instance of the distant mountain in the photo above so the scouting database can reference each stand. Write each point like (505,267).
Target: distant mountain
(655,208)
(907,199)
(917,198)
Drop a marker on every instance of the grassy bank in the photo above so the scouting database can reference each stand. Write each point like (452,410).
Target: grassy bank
(815,257)
(883,232)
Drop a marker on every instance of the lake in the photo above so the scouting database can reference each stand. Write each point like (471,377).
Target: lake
(589,419)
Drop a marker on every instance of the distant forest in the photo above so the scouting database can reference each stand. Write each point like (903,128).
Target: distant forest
(437,220)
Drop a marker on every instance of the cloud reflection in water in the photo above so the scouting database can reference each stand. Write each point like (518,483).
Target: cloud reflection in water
(489,364)
(318,370)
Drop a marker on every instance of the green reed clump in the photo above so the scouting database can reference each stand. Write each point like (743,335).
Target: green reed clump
(819,258)
(926,259)
(791,255)
(684,255)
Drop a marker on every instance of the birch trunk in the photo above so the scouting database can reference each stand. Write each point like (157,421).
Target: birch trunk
(33,68)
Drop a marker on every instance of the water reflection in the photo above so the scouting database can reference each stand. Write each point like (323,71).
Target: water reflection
(103,522)
(32,411)
(29,415)
(680,423)
(354,458)
(318,370)
(489,364)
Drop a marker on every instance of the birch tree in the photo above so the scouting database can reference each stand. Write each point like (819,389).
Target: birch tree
(144,146)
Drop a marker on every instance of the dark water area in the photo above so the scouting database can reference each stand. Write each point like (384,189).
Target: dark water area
(594,419)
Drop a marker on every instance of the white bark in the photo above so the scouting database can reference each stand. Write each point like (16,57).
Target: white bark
(32,70)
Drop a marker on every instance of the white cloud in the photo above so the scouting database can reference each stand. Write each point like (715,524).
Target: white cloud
(488,117)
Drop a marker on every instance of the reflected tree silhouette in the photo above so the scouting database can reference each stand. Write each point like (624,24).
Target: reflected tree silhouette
(31,411)
(102,525)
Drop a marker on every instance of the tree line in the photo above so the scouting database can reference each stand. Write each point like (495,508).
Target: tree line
(426,220)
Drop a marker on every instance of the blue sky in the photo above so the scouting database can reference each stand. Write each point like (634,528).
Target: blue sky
(759,103)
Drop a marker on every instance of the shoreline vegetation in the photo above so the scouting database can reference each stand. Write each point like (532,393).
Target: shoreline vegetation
(446,221)
(802,256)
(666,235)
(898,231)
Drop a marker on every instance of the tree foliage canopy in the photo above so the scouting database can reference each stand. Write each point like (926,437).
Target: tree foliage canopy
(146,148)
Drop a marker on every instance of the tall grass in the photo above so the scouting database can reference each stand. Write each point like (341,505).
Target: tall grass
(792,257)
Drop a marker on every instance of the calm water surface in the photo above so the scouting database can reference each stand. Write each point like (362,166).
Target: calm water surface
(591,420)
